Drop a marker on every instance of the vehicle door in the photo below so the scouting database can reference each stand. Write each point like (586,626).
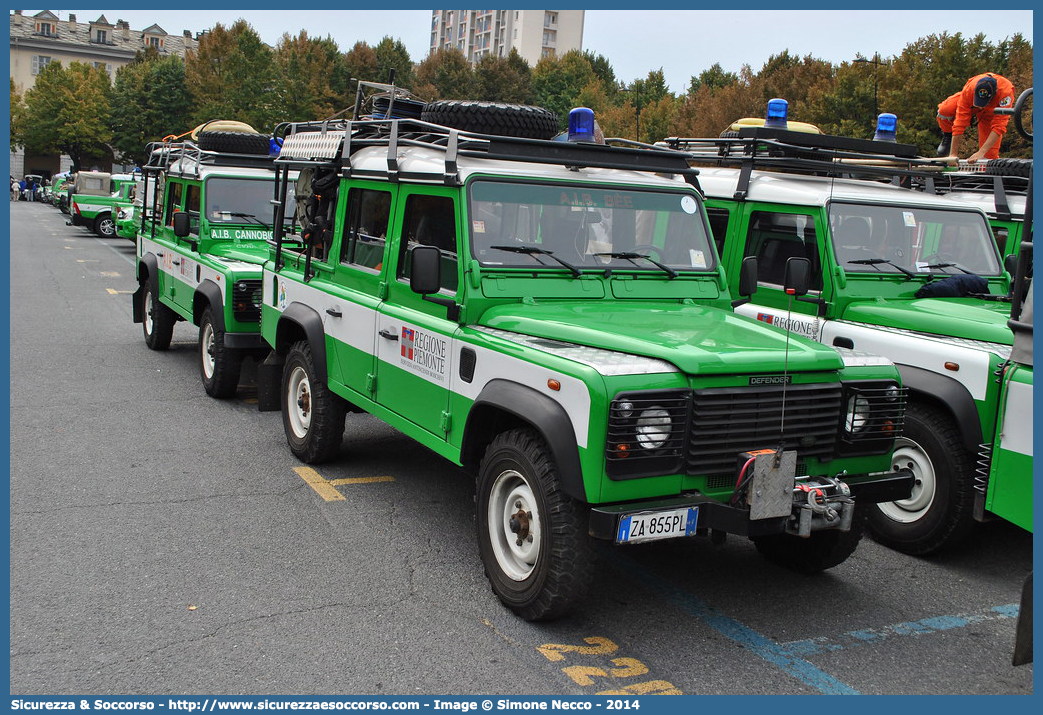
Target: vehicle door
(414,335)
(164,245)
(185,263)
(774,235)
(358,283)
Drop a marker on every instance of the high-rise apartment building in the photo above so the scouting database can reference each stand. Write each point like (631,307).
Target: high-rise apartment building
(534,33)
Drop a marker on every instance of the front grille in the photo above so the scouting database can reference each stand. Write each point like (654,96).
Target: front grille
(246,301)
(727,421)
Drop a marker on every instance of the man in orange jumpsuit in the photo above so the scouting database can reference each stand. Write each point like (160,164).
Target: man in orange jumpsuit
(979,98)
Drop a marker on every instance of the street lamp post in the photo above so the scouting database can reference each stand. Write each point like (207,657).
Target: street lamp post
(876,65)
(637,104)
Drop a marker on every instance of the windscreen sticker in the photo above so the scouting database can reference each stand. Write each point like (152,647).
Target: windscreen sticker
(698,258)
(478,226)
(688,204)
(909,218)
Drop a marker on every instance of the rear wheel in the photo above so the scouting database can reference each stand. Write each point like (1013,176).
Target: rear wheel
(818,552)
(104,226)
(532,536)
(312,416)
(157,322)
(219,366)
(939,511)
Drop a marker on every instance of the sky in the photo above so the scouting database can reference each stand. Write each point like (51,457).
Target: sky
(681,42)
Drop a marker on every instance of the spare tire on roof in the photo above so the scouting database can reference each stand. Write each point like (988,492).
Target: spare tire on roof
(234,142)
(1009,167)
(511,120)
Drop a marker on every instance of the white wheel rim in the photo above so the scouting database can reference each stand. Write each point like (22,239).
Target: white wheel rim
(511,498)
(148,312)
(298,397)
(207,350)
(910,455)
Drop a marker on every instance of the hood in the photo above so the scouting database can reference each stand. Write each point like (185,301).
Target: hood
(967,318)
(698,339)
(245,252)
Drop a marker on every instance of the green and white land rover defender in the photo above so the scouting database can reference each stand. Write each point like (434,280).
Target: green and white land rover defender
(553,316)
(911,275)
(94,197)
(200,251)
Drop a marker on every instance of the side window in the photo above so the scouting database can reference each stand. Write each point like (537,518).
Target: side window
(774,238)
(174,194)
(1001,234)
(719,227)
(192,206)
(365,228)
(430,221)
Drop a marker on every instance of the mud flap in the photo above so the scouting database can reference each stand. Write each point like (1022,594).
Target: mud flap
(269,383)
(1023,631)
(135,303)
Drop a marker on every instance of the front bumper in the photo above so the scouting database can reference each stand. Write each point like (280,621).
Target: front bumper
(718,516)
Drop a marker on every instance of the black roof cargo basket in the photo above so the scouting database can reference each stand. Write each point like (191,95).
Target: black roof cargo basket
(163,155)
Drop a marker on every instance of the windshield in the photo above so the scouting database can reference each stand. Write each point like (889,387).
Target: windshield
(894,239)
(522,225)
(239,201)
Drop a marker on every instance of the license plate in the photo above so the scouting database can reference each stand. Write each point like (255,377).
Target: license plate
(652,525)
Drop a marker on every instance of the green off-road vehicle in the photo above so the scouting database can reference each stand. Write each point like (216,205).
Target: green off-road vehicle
(553,316)
(95,197)
(910,275)
(200,248)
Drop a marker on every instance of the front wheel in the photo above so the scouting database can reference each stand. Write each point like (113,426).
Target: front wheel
(104,226)
(939,512)
(532,537)
(820,551)
(312,416)
(157,321)
(219,366)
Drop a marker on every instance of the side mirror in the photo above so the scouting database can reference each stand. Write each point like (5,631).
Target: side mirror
(182,224)
(1010,264)
(798,276)
(425,270)
(748,276)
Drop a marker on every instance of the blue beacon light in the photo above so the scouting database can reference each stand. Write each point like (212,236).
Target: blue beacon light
(886,128)
(581,125)
(777,111)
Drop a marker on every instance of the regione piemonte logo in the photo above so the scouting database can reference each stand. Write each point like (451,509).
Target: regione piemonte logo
(408,340)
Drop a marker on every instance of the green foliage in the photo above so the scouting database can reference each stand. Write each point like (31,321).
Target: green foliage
(713,78)
(17,115)
(445,74)
(312,82)
(392,55)
(503,79)
(68,111)
(360,63)
(557,81)
(150,101)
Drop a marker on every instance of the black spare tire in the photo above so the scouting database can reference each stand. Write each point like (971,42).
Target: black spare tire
(1009,167)
(234,142)
(511,120)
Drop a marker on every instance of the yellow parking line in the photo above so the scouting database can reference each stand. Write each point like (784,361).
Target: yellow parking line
(117,292)
(110,274)
(360,480)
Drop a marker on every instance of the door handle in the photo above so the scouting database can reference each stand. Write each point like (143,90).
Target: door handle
(176,263)
(335,312)
(388,334)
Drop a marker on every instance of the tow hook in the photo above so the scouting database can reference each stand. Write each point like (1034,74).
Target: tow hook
(821,503)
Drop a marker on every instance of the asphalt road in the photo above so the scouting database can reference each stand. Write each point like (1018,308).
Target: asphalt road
(162,543)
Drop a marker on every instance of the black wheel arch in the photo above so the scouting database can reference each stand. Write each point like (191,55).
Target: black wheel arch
(301,322)
(208,293)
(949,395)
(502,405)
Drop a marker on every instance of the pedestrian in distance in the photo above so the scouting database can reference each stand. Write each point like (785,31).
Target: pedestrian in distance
(979,99)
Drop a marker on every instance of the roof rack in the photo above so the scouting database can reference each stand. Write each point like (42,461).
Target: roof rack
(844,157)
(332,144)
(189,157)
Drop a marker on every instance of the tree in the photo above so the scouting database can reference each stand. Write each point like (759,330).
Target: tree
(713,78)
(392,55)
(17,115)
(360,63)
(503,79)
(150,101)
(232,75)
(309,68)
(68,111)
(556,82)
(445,74)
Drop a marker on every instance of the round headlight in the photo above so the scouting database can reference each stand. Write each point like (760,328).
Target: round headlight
(625,409)
(653,428)
(858,412)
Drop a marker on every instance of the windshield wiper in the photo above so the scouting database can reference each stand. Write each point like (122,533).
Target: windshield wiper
(957,266)
(530,249)
(630,256)
(877,261)
(237,214)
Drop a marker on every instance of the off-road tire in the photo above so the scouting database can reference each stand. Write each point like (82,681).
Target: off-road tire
(932,447)
(234,142)
(157,320)
(818,552)
(1009,167)
(104,226)
(315,427)
(511,120)
(219,366)
(518,469)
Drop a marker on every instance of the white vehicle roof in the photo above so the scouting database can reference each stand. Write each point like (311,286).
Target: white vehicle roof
(190,169)
(986,202)
(806,190)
